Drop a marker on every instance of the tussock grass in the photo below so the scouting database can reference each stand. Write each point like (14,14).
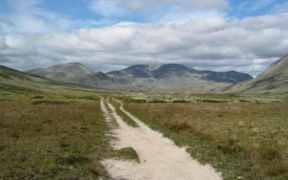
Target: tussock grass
(51,101)
(127,154)
(48,137)
(212,100)
(180,101)
(52,141)
(247,140)
(38,97)
(179,126)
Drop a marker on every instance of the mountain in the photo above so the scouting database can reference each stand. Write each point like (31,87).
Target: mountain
(19,82)
(156,78)
(75,73)
(8,74)
(172,70)
(175,78)
(273,79)
(63,72)
(14,81)
(151,71)
(227,77)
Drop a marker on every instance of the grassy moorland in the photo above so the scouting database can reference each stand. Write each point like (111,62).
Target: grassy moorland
(60,133)
(44,135)
(244,137)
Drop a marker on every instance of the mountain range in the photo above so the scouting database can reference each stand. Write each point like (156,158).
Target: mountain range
(155,78)
(152,78)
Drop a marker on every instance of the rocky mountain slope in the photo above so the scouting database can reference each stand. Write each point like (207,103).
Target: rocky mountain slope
(63,72)
(12,80)
(17,81)
(72,73)
(8,74)
(173,70)
(162,78)
(273,79)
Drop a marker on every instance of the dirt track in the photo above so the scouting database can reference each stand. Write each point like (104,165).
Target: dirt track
(160,158)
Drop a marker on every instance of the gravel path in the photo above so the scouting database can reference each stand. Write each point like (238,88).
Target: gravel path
(160,158)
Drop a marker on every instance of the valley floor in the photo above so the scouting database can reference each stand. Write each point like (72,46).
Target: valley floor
(242,136)
(66,133)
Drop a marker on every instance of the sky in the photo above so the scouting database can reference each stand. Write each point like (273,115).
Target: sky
(220,35)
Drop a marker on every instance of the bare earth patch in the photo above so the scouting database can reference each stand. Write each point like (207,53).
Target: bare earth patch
(159,157)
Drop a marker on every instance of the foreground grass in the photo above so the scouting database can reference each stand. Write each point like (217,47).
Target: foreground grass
(48,136)
(54,132)
(51,141)
(242,140)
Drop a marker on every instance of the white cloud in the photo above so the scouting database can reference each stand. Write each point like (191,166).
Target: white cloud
(281,7)
(28,16)
(107,7)
(195,4)
(213,43)
(110,8)
(24,19)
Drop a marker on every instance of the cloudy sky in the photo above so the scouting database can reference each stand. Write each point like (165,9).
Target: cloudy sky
(242,35)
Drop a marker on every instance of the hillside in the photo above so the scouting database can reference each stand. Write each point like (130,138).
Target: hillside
(21,82)
(155,78)
(75,73)
(16,81)
(273,79)
(63,72)
(7,74)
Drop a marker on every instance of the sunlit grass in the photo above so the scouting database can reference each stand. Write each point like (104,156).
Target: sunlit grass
(52,140)
(247,140)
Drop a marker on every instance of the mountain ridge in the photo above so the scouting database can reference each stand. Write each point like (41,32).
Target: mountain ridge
(62,72)
(7,73)
(143,77)
(161,71)
(273,79)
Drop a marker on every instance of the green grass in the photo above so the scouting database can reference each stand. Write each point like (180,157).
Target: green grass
(241,139)
(52,141)
(51,101)
(124,116)
(126,154)
(199,98)
(60,133)
(47,136)
(17,89)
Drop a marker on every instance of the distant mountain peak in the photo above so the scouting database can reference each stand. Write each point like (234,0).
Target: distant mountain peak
(74,66)
(73,63)
(137,66)
(174,66)
(63,72)
(135,71)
